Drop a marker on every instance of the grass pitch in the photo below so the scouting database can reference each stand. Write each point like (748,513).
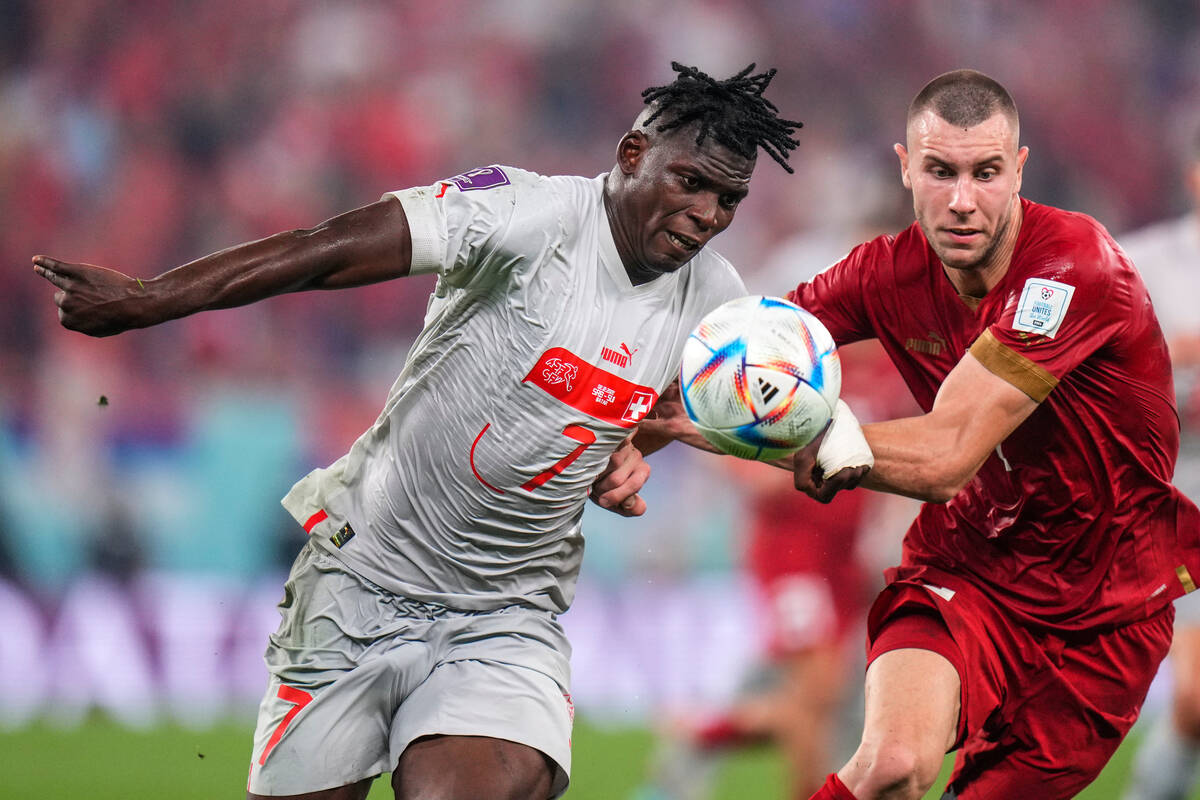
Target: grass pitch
(101,760)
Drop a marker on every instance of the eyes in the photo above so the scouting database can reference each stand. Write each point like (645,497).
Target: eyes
(942,172)
(694,183)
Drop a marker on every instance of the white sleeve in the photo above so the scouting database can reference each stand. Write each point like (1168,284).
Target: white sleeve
(457,223)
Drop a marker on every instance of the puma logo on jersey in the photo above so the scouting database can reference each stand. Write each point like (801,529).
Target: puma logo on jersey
(620,359)
(933,345)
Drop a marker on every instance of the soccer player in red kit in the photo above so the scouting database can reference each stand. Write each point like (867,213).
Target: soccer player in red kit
(1032,605)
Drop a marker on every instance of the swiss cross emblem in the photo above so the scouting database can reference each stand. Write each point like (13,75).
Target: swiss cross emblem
(639,406)
(559,371)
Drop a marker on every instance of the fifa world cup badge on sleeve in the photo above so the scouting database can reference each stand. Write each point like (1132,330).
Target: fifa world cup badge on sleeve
(1043,305)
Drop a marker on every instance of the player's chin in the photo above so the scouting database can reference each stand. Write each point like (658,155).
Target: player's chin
(964,258)
(675,259)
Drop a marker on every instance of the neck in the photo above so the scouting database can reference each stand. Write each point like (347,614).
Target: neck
(637,273)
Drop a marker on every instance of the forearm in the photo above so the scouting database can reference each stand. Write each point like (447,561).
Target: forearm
(653,434)
(367,245)
(910,461)
(340,253)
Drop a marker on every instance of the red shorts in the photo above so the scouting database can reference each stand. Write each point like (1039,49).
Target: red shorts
(1041,715)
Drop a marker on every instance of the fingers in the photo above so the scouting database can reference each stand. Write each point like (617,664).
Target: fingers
(617,489)
(842,480)
(633,506)
(49,273)
(619,492)
(630,506)
(54,265)
(805,474)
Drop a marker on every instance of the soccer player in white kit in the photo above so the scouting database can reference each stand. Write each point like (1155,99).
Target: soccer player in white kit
(1167,766)
(419,630)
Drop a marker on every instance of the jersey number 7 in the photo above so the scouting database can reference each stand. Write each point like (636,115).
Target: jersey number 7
(585,437)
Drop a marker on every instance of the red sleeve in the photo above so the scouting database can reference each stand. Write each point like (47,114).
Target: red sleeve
(1065,309)
(837,294)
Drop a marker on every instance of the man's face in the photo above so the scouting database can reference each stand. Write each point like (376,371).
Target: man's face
(676,197)
(964,183)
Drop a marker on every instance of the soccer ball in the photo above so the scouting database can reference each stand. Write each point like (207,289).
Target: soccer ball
(760,377)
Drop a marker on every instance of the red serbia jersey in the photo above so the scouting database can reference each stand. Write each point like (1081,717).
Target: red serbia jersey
(1072,524)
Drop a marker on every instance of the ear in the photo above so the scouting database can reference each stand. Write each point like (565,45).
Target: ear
(902,154)
(630,150)
(1022,154)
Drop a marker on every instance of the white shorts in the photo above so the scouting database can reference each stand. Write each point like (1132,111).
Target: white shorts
(358,673)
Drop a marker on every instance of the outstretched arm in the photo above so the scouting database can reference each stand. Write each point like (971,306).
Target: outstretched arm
(933,456)
(367,245)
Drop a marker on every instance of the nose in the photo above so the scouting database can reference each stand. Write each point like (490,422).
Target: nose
(705,211)
(962,200)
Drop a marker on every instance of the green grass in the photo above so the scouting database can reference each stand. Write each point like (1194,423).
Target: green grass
(101,760)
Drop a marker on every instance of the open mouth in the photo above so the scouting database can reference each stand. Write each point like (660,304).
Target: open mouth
(962,234)
(683,242)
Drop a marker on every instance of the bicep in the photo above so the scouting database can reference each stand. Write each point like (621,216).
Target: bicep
(981,407)
(367,245)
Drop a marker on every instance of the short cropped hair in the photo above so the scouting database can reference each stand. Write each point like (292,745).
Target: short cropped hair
(964,98)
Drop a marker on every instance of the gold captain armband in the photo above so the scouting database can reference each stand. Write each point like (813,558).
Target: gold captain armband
(1032,379)
(1185,578)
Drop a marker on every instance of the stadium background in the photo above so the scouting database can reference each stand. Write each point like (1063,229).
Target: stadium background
(142,546)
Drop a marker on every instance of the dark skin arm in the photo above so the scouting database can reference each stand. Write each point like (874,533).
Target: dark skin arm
(367,245)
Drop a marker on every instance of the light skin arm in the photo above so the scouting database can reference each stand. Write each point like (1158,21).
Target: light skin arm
(930,457)
(367,245)
(933,456)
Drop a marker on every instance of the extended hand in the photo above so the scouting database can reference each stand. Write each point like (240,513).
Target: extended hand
(617,487)
(837,459)
(91,299)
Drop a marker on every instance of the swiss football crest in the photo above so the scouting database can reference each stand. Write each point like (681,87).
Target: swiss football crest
(559,371)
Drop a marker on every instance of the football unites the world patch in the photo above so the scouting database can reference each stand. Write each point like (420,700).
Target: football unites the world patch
(1042,306)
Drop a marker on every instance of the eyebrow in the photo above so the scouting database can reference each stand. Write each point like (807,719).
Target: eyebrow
(740,192)
(994,159)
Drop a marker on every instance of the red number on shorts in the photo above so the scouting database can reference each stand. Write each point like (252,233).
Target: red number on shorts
(288,694)
(577,432)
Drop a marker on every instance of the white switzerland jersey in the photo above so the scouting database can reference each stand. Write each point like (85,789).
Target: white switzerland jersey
(538,358)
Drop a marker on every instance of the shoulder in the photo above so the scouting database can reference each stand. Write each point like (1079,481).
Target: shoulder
(901,252)
(887,260)
(1069,246)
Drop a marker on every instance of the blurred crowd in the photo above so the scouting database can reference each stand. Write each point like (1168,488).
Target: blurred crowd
(141,134)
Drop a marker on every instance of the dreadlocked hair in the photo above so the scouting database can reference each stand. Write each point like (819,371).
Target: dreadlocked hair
(733,111)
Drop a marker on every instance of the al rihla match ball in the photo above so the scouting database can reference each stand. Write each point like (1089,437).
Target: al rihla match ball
(760,377)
